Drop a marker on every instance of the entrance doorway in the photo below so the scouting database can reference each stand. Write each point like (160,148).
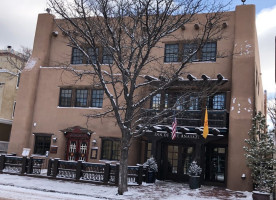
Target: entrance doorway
(176,160)
(78,140)
(77,149)
(215,164)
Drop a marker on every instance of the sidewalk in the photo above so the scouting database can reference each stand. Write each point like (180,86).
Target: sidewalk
(23,187)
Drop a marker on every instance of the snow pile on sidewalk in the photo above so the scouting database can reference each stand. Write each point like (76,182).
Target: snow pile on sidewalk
(23,187)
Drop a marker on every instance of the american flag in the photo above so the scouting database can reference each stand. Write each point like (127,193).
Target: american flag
(174,124)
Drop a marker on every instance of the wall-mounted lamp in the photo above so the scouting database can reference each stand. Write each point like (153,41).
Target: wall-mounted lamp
(54,139)
(94,142)
(243,176)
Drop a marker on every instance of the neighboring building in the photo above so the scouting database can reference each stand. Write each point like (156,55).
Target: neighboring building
(51,106)
(9,80)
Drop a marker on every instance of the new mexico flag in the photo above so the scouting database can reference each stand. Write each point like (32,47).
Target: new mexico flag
(205,129)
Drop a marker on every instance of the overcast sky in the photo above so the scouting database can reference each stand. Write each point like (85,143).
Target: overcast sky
(18,22)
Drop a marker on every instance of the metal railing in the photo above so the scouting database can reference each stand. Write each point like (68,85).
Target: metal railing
(216,118)
(4,146)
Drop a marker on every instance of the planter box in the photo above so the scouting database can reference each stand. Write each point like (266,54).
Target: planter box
(260,196)
(194,182)
(150,177)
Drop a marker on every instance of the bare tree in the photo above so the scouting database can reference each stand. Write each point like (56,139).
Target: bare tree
(130,31)
(271,110)
(17,59)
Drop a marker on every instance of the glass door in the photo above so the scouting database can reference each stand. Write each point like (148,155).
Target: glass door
(215,164)
(177,159)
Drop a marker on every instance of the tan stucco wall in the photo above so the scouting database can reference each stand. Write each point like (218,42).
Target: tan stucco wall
(8,90)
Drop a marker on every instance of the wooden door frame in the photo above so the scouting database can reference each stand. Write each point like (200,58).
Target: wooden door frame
(79,137)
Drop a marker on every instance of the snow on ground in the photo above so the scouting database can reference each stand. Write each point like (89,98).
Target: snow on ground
(23,187)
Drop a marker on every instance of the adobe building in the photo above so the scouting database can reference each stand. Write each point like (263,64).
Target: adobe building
(52,104)
(10,60)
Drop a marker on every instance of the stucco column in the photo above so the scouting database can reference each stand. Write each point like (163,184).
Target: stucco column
(242,105)
(26,96)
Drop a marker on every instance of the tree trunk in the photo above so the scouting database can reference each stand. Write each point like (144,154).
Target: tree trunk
(123,168)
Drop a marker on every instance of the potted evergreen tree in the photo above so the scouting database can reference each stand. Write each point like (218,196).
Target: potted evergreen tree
(259,155)
(194,172)
(152,168)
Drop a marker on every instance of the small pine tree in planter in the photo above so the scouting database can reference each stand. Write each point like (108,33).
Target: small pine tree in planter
(194,172)
(152,167)
(259,155)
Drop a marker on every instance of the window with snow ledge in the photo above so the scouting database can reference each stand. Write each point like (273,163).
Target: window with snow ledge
(182,51)
(81,97)
(171,53)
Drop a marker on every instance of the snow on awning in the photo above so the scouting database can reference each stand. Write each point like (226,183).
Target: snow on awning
(215,131)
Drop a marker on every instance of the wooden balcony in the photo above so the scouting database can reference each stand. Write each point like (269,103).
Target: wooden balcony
(194,118)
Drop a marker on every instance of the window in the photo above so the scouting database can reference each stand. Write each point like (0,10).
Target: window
(188,50)
(193,103)
(107,57)
(65,97)
(180,102)
(149,150)
(13,109)
(93,55)
(217,102)
(18,80)
(77,56)
(81,98)
(97,98)
(188,155)
(42,144)
(156,101)
(171,53)
(209,51)
(110,149)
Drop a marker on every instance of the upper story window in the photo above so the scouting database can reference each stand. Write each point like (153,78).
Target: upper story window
(107,56)
(81,97)
(97,98)
(193,103)
(65,97)
(188,49)
(207,53)
(217,102)
(93,55)
(77,56)
(156,102)
(171,53)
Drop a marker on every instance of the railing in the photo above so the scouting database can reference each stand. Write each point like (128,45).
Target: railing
(216,118)
(72,170)
(20,165)
(92,172)
(4,146)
